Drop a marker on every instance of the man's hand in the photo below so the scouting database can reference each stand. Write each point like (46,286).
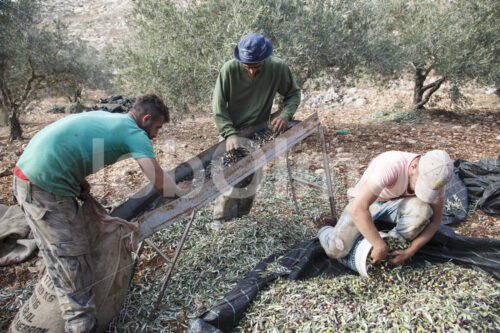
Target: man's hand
(359,210)
(84,190)
(279,124)
(379,253)
(400,256)
(232,144)
(184,188)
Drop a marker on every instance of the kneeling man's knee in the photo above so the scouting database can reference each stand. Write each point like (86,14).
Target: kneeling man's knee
(416,209)
(332,243)
(414,215)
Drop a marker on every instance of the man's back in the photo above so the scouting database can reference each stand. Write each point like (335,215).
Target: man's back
(387,174)
(61,155)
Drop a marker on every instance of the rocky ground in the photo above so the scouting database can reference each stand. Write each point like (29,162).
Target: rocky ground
(100,22)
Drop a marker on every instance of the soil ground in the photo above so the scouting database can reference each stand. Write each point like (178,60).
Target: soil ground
(471,134)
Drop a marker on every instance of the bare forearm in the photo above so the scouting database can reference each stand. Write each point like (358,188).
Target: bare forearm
(400,256)
(360,213)
(161,180)
(167,187)
(363,221)
(429,231)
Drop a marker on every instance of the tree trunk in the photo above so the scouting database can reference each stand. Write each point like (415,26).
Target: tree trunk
(4,117)
(422,93)
(418,92)
(78,94)
(16,132)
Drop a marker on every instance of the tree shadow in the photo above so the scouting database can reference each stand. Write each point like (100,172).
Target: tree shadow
(465,116)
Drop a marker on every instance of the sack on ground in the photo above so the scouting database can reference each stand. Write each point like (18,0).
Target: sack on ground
(112,265)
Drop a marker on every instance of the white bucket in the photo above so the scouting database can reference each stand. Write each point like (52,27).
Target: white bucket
(356,259)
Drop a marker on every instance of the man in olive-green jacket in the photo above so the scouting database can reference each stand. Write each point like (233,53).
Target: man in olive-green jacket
(243,96)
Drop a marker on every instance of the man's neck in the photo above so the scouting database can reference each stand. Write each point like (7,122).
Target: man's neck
(412,172)
(133,116)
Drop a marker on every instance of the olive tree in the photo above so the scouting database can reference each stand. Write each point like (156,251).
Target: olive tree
(455,41)
(180,46)
(35,59)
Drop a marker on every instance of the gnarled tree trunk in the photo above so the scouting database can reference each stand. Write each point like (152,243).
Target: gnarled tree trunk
(16,132)
(4,117)
(16,106)
(421,92)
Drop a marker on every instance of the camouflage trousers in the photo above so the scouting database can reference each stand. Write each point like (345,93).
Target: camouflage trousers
(63,243)
(410,214)
(236,201)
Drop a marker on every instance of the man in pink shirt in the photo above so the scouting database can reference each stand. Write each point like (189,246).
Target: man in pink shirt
(398,187)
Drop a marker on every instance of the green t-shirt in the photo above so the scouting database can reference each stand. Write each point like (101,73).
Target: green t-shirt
(239,102)
(61,155)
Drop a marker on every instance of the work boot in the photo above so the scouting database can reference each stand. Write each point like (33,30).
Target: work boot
(225,208)
(245,205)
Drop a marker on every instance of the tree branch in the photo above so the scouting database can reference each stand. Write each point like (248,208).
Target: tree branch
(7,99)
(422,70)
(433,87)
(433,84)
(28,88)
(427,70)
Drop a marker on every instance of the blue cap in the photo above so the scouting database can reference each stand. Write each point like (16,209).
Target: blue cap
(253,48)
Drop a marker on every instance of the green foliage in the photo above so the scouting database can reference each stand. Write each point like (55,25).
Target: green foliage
(401,117)
(77,66)
(35,59)
(179,48)
(56,109)
(398,113)
(76,107)
(456,40)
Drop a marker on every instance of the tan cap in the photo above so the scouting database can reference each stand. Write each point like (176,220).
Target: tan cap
(435,170)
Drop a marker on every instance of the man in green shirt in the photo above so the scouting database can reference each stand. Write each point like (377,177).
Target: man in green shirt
(243,96)
(50,175)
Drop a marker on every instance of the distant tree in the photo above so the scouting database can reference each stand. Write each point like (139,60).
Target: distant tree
(35,59)
(181,45)
(451,40)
